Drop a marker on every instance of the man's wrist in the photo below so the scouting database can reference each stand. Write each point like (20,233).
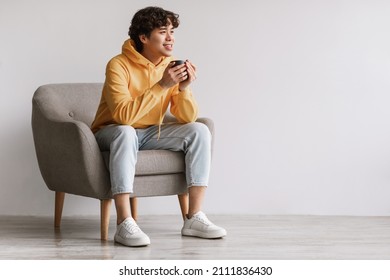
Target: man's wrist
(162,84)
(182,89)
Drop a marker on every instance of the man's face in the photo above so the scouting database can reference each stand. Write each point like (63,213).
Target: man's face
(160,42)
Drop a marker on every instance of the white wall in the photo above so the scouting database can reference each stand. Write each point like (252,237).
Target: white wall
(299,91)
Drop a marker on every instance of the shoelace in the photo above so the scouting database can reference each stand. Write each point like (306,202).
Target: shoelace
(132,227)
(201,217)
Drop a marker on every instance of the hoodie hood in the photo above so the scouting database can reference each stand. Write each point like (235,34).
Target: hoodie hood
(129,50)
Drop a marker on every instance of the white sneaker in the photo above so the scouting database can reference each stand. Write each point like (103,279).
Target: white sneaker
(128,233)
(200,226)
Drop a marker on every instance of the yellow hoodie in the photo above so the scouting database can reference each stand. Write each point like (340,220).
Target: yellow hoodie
(132,96)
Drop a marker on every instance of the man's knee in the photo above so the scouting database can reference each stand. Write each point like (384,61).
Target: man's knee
(200,130)
(125,133)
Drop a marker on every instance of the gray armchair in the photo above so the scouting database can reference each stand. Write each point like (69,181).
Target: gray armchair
(70,160)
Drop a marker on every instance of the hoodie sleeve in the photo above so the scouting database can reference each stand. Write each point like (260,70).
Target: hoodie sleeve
(124,108)
(184,106)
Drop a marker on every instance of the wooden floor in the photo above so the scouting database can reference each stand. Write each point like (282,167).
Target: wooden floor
(249,237)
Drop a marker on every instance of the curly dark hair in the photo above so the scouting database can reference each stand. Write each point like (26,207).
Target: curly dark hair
(146,20)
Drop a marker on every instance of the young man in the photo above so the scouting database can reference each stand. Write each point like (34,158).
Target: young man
(140,84)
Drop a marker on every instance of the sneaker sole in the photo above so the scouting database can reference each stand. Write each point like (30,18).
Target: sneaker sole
(201,234)
(132,243)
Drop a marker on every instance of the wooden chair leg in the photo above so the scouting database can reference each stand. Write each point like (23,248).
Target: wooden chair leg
(105,207)
(133,207)
(183,201)
(58,206)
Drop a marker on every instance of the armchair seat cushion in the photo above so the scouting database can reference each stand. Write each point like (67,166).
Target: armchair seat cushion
(155,162)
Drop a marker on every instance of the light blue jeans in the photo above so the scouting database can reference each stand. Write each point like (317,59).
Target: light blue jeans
(124,142)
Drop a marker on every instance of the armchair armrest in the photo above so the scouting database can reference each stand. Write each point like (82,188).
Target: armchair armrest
(69,157)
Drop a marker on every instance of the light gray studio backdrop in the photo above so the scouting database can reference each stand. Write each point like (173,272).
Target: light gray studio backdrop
(299,92)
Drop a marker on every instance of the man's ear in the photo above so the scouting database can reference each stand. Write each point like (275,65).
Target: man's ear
(143,38)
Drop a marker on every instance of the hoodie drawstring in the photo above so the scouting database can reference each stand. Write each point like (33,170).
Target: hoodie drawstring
(161,119)
(161,104)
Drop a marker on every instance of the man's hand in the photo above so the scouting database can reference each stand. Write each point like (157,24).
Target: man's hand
(182,74)
(191,76)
